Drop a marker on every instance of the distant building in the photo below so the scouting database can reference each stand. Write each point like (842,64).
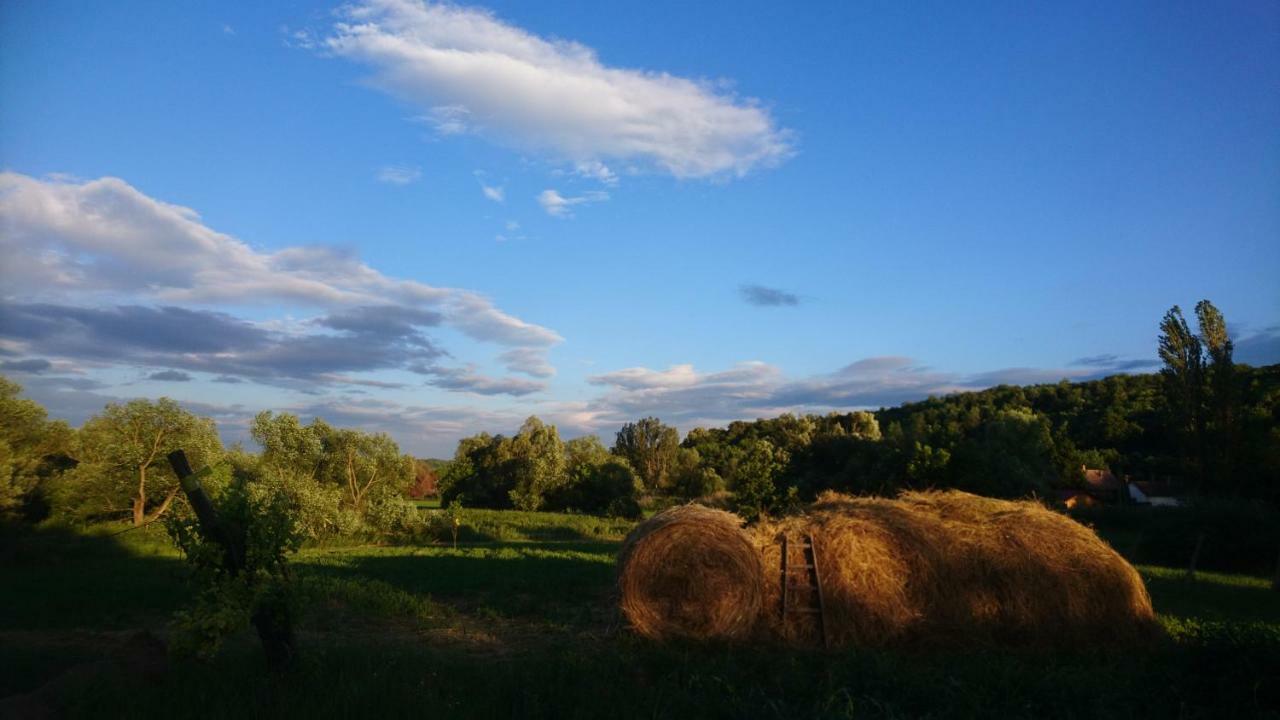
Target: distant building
(1102,485)
(1154,493)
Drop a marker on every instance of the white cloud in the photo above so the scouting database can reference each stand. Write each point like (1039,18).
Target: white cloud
(639,378)
(399,174)
(530,361)
(688,398)
(495,194)
(597,171)
(103,238)
(558,205)
(448,119)
(475,73)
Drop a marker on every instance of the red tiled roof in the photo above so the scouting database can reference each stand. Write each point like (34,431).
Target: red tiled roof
(1101,479)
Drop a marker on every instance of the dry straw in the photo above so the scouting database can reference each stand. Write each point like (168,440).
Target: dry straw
(691,572)
(925,569)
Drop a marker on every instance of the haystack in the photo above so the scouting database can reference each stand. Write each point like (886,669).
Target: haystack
(924,569)
(950,568)
(691,572)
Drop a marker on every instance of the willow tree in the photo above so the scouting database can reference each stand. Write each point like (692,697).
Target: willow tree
(122,452)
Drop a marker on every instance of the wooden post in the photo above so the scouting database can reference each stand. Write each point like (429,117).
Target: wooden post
(271,615)
(1195,556)
(211,526)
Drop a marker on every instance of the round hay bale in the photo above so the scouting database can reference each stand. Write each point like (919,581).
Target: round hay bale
(949,568)
(690,572)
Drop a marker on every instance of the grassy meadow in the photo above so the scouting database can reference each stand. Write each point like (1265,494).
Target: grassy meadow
(519,620)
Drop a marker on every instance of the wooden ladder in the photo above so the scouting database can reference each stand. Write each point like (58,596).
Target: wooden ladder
(810,580)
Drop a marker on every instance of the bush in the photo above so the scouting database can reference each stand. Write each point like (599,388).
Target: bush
(610,487)
(391,512)
(320,510)
(230,594)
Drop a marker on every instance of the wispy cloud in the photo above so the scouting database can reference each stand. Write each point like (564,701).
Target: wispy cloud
(762,296)
(170,376)
(468,380)
(596,170)
(682,395)
(495,194)
(1261,348)
(1114,363)
(475,73)
(558,205)
(399,174)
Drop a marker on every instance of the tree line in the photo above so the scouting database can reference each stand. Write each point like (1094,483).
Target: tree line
(113,467)
(1202,422)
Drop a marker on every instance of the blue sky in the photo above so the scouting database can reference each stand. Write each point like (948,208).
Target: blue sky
(435,220)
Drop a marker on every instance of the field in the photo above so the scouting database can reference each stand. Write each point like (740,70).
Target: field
(518,621)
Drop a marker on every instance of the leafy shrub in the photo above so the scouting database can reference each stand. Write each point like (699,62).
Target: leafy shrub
(610,487)
(229,593)
(390,512)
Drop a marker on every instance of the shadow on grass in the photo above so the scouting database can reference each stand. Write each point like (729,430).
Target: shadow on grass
(563,584)
(66,596)
(57,578)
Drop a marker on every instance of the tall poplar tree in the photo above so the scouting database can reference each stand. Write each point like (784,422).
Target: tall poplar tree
(1183,374)
(1220,395)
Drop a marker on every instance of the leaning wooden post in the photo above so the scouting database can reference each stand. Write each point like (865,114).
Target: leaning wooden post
(211,526)
(271,614)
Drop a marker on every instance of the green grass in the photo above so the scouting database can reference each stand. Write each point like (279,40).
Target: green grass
(514,525)
(519,621)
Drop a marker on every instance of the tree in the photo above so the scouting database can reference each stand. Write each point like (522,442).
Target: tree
(494,471)
(755,492)
(32,449)
(1183,374)
(1011,455)
(339,477)
(537,463)
(425,480)
(1220,393)
(288,445)
(122,456)
(690,478)
(1201,392)
(360,462)
(650,447)
(595,481)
